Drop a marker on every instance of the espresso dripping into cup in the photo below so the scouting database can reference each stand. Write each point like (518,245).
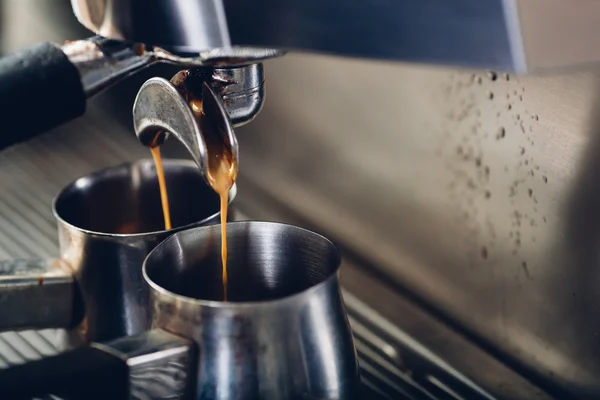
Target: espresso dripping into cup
(197,118)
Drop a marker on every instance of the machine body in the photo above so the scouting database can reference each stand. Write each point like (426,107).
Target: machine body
(508,35)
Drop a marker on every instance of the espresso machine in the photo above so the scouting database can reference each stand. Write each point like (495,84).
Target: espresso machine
(494,289)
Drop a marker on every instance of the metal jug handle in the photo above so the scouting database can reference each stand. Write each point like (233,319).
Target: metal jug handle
(152,365)
(38,293)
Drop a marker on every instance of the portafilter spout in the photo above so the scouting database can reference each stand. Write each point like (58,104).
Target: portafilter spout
(188,108)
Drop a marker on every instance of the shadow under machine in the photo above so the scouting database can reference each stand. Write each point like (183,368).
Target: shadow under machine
(227,41)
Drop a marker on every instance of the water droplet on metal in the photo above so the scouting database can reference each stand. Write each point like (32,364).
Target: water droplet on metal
(530,191)
(491,95)
(484,253)
(545,178)
(492,75)
(501,133)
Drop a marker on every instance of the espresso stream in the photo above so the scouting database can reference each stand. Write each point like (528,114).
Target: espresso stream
(221,175)
(160,172)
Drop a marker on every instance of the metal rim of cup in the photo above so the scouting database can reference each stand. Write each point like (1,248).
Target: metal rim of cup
(185,163)
(243,304)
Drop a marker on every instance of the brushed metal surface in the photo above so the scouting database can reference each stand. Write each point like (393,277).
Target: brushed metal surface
(405,340)
(477,191)
(515,35)
(461,31)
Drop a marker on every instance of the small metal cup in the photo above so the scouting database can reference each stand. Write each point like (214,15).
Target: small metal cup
(108,222)
(283,334)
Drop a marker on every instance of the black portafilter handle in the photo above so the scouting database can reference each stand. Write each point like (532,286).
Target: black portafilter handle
(39,90)
(87,373)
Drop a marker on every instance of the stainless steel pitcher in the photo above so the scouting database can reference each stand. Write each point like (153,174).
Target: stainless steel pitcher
(283,334)
(108,222)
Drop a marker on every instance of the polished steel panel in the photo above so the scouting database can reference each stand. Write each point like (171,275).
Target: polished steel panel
(459,32)
(512,35)
(402,345)
(474,190)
